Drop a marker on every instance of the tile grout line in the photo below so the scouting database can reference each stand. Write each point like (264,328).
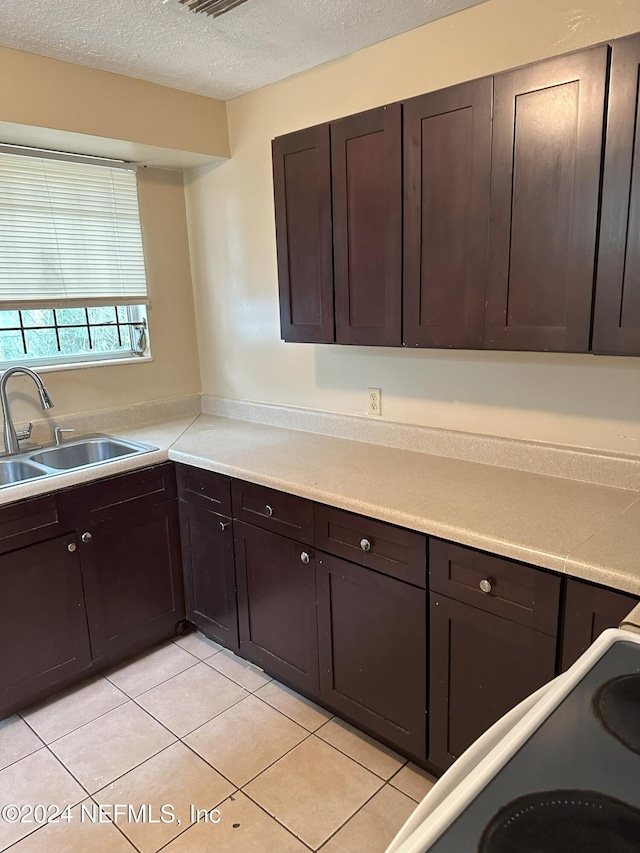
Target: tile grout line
(357,811)
(273,681)
(164,681)
(126,837)
(309,735)
(187,828)
(31,729)
(357,761)
(66,769)
(155,755)
(77,728)
(180,739)
(272,816)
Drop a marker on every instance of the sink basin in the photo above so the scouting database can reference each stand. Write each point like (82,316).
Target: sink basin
(16,470)
(87,451)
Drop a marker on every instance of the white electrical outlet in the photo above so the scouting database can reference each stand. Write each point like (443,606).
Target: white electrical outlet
(373,402)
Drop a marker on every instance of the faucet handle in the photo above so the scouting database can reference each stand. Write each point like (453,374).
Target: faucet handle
(24,434)
(57,433)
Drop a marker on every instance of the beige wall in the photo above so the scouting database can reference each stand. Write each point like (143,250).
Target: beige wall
(49,103)
(47,93)
(579,400)
(174,370)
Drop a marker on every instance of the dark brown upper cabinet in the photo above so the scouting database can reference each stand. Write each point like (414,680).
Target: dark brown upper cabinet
(471,217)
(447,161)
(366,178)
(345,180)
(302,188)
(548,124)
(616,326)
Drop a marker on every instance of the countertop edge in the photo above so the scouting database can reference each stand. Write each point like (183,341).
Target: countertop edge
(166,434)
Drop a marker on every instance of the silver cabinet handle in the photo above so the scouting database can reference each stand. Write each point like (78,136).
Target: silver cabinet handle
(71,547)
(485,585)
(224,525)
(268,511)
(86,537)
(304,557)
(365,544)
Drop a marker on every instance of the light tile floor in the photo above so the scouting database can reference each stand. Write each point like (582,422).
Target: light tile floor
(185,730)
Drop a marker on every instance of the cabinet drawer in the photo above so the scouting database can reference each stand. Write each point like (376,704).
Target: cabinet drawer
(123,494)
(28,522)
(391,550)
(280,512)
(205,488)
(517,592)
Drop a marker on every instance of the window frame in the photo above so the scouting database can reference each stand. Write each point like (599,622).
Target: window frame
(137,313)
(137,316)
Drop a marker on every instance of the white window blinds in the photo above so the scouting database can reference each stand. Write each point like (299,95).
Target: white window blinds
(69,234)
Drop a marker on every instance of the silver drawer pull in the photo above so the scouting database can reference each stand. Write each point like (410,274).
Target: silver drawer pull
(485,585)
(224,525)
(304,557)
(268,511)
(71,547)
(365,544)
(86,537)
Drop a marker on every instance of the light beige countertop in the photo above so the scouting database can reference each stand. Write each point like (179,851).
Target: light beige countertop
(583,529)
(552,522)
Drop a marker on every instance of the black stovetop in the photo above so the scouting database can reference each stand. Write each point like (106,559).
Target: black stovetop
(575,783)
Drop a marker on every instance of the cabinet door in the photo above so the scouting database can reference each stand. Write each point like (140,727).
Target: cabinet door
(43,622)
(302,188)
(366,168)
(481,665)
(447,160)
(277,605)
(209,573)
(372,643)
(545,178)
(616,327)
(589,610)
(133,578)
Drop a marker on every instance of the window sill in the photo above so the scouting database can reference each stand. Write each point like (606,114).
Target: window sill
(80,365)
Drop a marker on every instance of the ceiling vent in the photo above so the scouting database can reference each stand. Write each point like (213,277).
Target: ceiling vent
(214,8)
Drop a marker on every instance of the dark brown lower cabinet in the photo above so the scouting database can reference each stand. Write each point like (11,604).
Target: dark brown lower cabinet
(481,666)
(132,573)
(277,605)
(43,623)
(372,648)
(209,573)
(588,611)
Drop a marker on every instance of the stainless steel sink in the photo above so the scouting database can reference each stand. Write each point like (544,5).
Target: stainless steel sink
(87,451)
(16,470)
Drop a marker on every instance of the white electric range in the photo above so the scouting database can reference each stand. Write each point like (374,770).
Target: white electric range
(559,773)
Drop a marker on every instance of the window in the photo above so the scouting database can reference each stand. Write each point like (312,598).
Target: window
(72,276)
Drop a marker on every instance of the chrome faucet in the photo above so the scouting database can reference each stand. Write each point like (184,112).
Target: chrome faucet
(11,437)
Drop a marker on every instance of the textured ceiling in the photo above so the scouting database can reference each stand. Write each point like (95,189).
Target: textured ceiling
(254,44)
